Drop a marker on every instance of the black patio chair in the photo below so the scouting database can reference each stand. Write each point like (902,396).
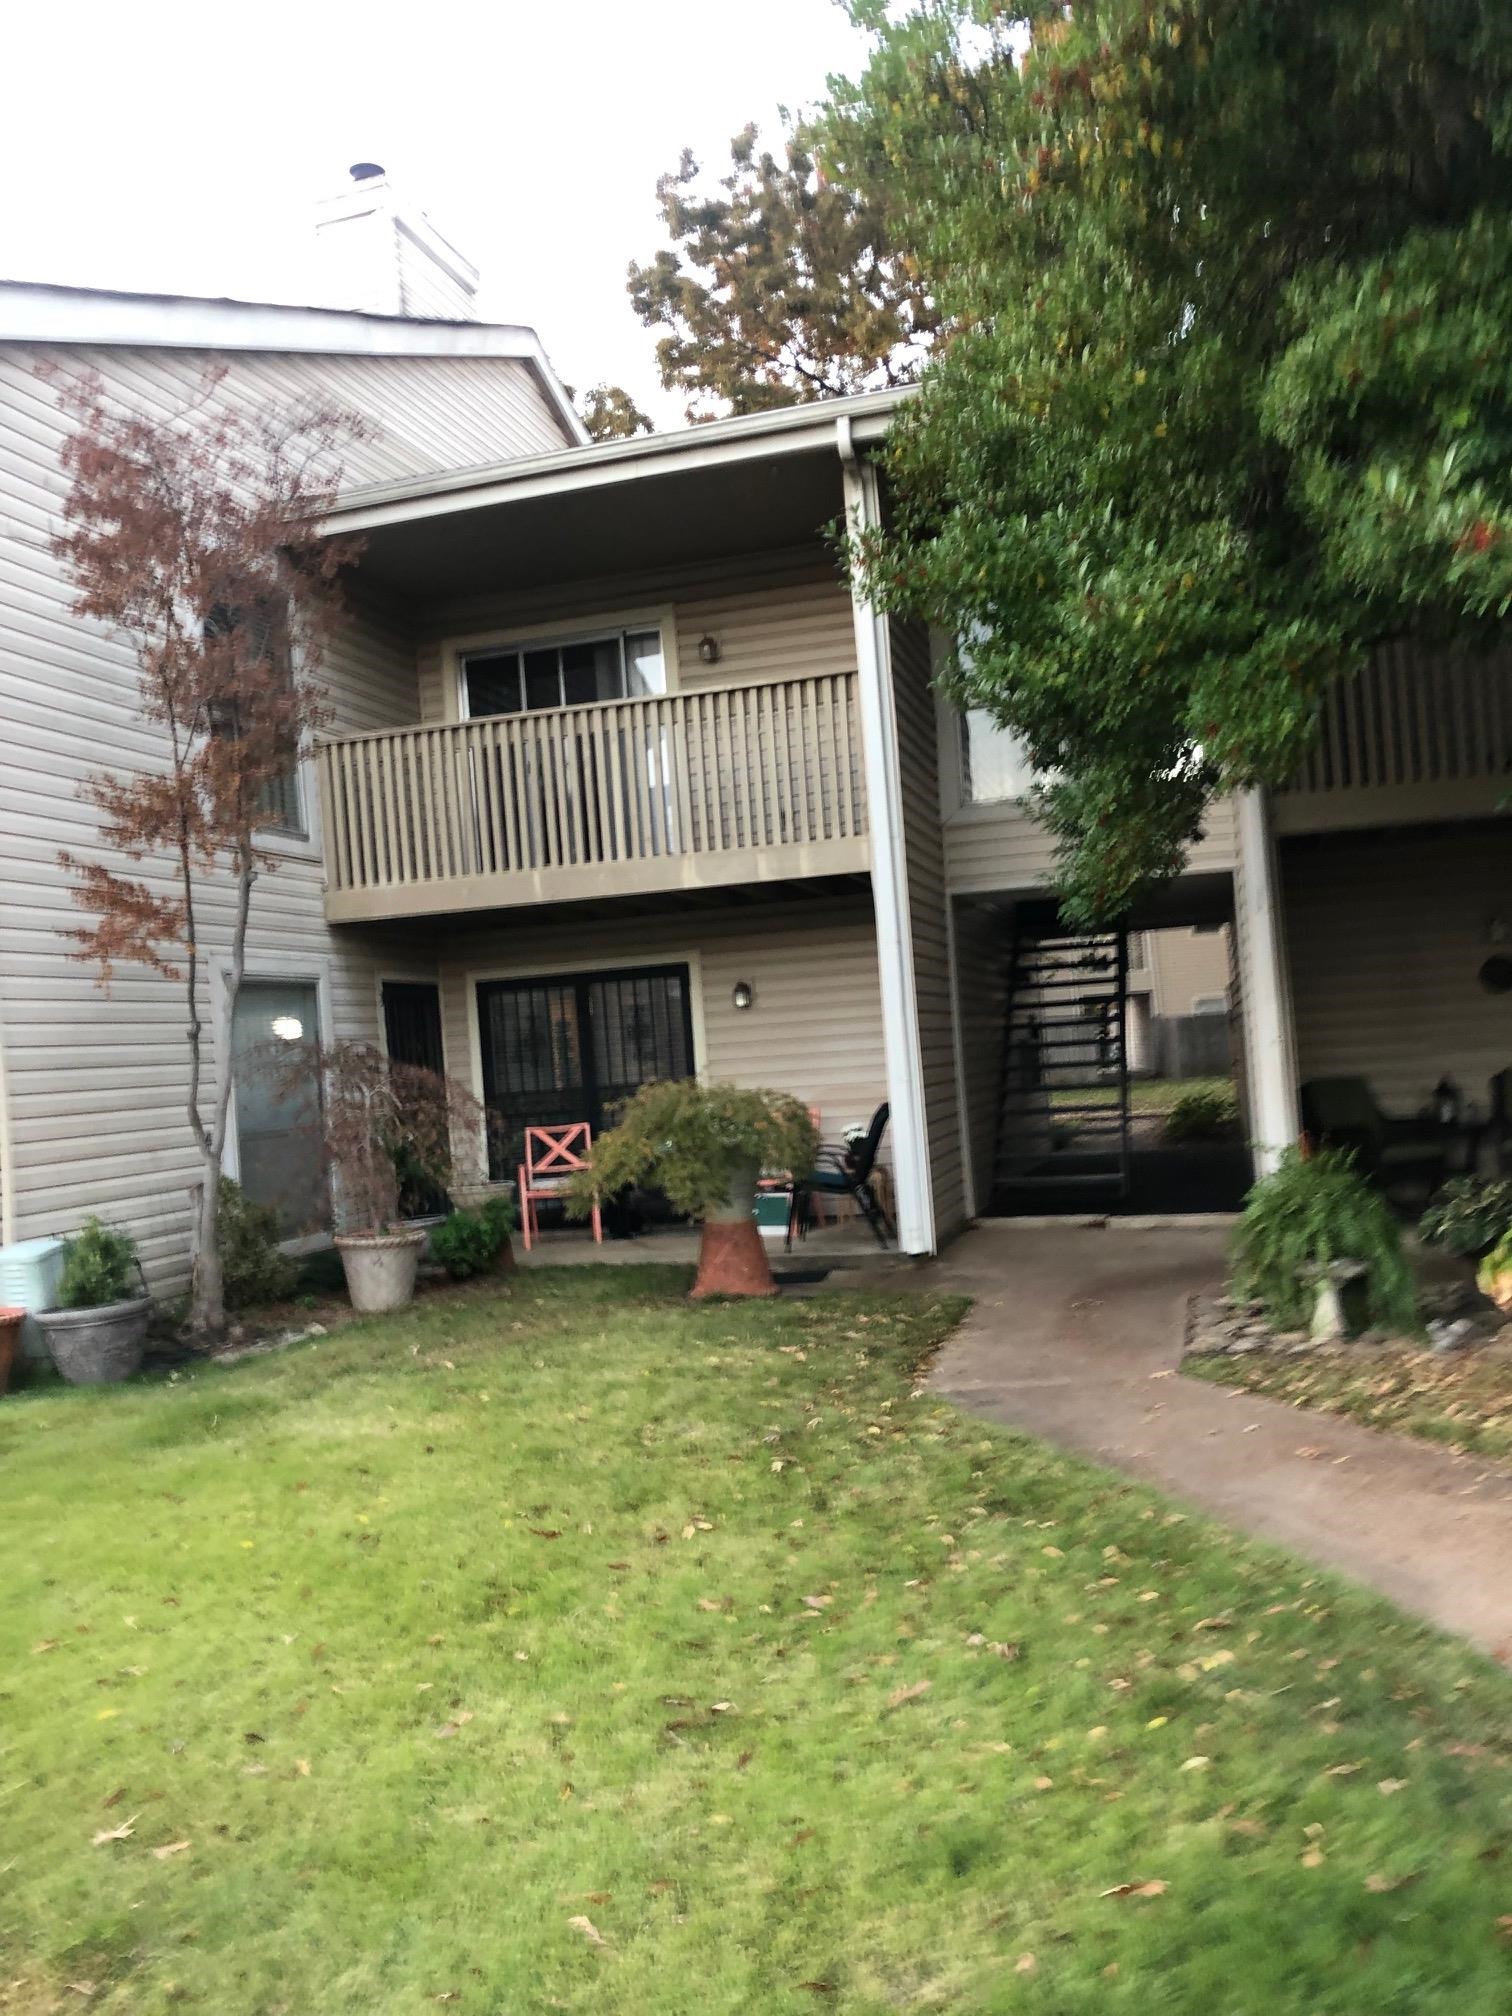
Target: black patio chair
(847,1172)
(1390,1151)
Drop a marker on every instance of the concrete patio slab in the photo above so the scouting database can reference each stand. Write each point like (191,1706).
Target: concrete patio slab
(1075,1335)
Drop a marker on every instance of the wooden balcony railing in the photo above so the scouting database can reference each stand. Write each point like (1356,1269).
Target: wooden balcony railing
(1413,736)
(717,785)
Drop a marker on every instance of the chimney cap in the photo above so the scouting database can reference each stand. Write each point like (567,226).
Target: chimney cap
(365,171)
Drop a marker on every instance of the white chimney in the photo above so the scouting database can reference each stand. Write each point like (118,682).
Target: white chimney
(387,258)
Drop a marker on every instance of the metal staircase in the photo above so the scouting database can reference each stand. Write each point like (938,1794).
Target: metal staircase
(1064,1121)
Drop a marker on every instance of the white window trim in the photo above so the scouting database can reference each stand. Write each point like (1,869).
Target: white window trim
(256,967)
(584,629)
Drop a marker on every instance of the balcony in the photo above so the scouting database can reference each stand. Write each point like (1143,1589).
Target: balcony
(693,790)
(1409,740)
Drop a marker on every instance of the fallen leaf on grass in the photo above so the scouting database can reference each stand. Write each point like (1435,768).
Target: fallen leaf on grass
(916,1692)
(1313,1859)
(45,1645)
(169,1848)
(458,1721)
(1379,1884)
(817,1602)
(1196,1764)
(1389,1785)
(1253,1830)
(545,1532)
(113,1798)
(1153,1887)
(122,1833)
(302,1766)
(587,1929)
(1026,1964)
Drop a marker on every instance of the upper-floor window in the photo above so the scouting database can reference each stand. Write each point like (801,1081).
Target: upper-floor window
(264,622)
(995,765)
(518,679)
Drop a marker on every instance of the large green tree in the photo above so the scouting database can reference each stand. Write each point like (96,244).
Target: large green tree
(782,283)
(1225,397)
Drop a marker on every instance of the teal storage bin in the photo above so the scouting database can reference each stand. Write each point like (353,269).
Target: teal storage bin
(29,1275)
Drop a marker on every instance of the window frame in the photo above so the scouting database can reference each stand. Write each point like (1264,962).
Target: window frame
(555,635)
(301,841)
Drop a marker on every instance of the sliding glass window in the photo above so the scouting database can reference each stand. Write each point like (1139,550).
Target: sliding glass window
(621,665)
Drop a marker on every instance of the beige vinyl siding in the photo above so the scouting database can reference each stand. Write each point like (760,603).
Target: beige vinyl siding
(774,616)
(992,849)
(815,1028)
(924,855)
(982,940)
(1185,966)
(1386,933)
(95,1085)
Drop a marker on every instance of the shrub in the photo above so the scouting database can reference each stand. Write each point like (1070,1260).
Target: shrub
(100,1266)
(1468,1215)
(1307,1214)
(246,1238)
(687,1138)
(1206,1113)
(470,1242)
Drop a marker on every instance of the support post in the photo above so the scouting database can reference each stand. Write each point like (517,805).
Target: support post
(1270,1051)
(889,874)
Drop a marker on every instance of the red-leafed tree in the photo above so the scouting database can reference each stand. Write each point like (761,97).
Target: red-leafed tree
(195,537)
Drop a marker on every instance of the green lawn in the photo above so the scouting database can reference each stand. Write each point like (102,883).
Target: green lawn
(1146,1095)
(572,1648)
(1463,1398)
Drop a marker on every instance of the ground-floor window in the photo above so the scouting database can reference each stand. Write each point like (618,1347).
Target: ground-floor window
(572,1046)
(275,1034)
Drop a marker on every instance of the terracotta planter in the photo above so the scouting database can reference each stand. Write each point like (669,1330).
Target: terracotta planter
(732,1256)
(380,1268)
(97,1347)
(10,1343)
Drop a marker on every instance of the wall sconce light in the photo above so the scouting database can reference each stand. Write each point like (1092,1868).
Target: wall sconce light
(743,995)
(708,649)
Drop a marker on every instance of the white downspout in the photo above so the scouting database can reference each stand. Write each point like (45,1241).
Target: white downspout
(889,872)
(1269,1035)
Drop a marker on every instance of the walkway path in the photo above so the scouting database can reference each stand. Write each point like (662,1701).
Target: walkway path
(1075,1335)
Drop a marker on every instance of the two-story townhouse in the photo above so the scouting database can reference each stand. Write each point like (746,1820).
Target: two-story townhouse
(627,781)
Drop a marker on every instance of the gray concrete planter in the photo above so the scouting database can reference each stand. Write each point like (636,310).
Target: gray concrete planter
(380,1268)
(97,1347)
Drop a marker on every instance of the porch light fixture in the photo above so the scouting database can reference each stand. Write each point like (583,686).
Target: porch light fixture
(743,995)
(708,649)
(287,1028)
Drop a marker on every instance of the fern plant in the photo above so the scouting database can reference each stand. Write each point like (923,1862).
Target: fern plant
(1304,1216)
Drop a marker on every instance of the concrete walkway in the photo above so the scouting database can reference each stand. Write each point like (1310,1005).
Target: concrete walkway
(1075,1335)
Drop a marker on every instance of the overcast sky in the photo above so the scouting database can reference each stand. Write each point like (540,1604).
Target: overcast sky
(181,148)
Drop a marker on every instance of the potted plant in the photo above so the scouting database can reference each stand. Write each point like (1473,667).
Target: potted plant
(475,1239)
(98,1331)
(705,1147)
(1494,1275)
(1301,1229)
(1468,1216)
(385,1125)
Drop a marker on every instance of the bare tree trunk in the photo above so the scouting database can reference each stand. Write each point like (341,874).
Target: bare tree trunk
(207,1311)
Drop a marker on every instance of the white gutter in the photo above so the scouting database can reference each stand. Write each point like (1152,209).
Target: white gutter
(889,868)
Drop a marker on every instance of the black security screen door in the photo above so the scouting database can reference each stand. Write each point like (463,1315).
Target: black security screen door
(570,1047)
